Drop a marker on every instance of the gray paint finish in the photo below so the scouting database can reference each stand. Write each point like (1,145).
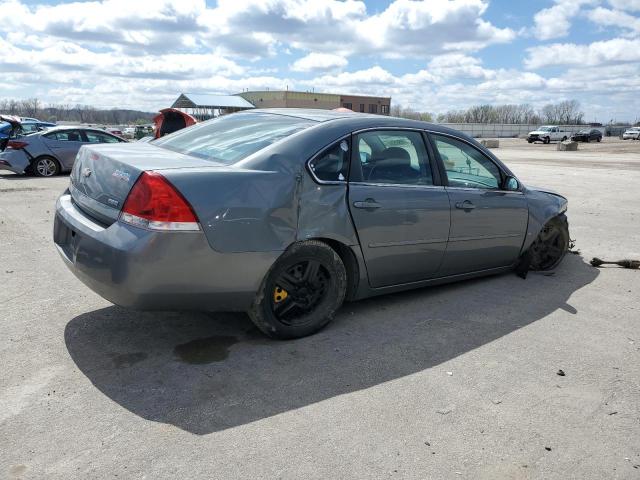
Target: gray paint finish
(252,211)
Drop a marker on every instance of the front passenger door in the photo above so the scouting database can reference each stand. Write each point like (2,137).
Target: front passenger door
(488,224)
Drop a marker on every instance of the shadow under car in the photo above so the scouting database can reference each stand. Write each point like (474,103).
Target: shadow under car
(209,372)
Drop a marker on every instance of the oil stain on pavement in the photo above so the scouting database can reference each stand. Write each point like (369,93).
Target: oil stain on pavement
(205,350)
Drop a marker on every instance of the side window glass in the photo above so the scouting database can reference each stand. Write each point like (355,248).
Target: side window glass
(332,165)
(394,157)
(465,166)
(97,137)
(69,136)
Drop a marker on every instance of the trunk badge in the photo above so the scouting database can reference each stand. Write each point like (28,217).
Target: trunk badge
(86,172)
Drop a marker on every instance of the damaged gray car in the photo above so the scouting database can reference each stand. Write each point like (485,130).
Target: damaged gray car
(285,214)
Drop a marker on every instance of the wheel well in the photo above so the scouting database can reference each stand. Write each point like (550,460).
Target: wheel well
(350,264)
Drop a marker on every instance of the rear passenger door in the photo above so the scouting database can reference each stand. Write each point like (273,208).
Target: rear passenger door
(65,145)
(399,208)
(488,223)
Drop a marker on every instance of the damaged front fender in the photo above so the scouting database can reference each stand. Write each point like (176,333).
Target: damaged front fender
(543,205)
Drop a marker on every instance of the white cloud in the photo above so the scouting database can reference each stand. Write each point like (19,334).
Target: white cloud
(319,62)
(555,22)
(631,5)
(617,50)
(615,18)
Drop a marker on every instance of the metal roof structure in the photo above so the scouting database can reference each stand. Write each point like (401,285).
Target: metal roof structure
(208,101)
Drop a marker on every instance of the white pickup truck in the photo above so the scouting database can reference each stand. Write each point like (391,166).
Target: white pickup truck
(547,134)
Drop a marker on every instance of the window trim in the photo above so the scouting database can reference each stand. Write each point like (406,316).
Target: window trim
(346,137)
(355,163)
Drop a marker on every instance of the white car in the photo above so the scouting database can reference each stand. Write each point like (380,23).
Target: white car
(548,134)
(632,134)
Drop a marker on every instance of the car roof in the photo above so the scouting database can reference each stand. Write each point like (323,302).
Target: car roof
(314,114)
(356,119)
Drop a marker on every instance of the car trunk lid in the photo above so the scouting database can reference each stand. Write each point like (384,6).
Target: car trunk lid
(103,175)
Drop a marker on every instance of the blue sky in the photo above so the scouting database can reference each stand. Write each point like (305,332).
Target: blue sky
(433,55)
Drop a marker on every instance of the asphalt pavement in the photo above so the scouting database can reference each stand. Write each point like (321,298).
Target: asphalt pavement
(449,382)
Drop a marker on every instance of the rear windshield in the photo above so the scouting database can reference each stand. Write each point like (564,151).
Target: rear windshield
(231,138)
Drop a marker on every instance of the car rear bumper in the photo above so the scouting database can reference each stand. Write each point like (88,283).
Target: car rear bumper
(14,160)
(147,270)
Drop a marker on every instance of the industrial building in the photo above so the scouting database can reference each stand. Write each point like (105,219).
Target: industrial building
(326,101)
(205,106)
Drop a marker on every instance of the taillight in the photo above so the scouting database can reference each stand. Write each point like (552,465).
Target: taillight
(156,204)
(16,144)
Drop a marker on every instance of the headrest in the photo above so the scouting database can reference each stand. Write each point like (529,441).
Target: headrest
(397,155)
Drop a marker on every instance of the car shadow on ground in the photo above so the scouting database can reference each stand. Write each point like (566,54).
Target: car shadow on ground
(209,372)
(16,176)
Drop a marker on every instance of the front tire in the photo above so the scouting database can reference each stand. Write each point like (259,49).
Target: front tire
(301,293)
(547,140)
(45,167)
(551,245)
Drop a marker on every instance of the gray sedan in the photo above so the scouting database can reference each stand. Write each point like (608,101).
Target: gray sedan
(286,213)
(52,151)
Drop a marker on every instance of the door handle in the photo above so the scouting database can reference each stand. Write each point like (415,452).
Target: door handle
(466,205)
(368,203)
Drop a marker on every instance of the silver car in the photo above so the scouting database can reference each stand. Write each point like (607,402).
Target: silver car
(50,152)
(632,133)
(286,213)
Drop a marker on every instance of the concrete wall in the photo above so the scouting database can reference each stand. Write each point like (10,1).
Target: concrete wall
(500,130)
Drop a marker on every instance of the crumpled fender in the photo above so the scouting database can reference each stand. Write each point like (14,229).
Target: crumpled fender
(544,204)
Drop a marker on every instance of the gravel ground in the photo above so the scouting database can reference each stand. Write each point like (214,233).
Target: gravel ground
(458,381)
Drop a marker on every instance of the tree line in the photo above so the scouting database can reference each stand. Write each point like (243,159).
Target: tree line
(33,107)
(567,112)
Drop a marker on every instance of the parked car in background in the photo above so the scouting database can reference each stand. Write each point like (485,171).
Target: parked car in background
(548,134)
(170,120)
(9,127)
(129,133)
(284,213)
(587,135)
(28,126)
(50,152)
(13,127)
(114,131)
(631,134)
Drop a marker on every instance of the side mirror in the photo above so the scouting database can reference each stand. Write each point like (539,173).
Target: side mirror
(511,184)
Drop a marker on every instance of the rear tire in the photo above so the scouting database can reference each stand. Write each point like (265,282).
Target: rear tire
(301,293)
(45,167)
(551,245)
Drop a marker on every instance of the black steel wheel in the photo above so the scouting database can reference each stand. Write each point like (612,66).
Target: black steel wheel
(552,244)
(547,140)
(301,292)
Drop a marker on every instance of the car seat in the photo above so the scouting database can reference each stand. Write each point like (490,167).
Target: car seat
(393,165)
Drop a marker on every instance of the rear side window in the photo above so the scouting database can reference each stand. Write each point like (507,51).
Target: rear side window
(65,136)
(393,157)
(332,165)
(231,138)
